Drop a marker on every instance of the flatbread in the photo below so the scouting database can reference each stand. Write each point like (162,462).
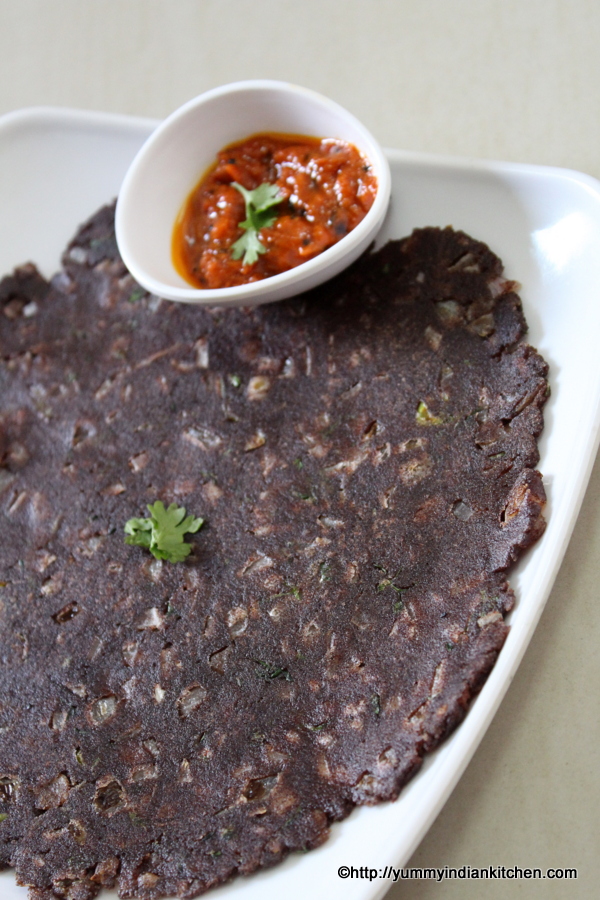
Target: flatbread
(364,459)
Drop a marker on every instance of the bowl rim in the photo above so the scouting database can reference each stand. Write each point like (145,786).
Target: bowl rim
(306,274)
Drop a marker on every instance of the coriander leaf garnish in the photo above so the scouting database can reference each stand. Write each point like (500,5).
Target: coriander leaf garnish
(249,245)
(261,198)
(163,533)
(259,214)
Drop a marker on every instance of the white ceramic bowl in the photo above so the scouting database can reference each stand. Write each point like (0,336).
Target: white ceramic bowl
(177,154)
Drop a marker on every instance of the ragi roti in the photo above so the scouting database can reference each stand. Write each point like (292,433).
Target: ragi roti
(364,459)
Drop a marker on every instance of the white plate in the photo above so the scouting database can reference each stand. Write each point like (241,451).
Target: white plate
(58,166)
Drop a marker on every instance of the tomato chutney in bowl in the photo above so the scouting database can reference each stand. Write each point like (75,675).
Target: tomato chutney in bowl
(250,193)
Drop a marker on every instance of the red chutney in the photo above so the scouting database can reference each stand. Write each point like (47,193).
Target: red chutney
(327,189)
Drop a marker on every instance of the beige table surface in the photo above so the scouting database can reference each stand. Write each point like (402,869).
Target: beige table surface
(504,79)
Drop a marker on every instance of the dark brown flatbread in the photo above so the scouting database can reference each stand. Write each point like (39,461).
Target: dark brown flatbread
(364,457)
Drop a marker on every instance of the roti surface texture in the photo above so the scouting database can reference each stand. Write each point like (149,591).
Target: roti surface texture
(364,459)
